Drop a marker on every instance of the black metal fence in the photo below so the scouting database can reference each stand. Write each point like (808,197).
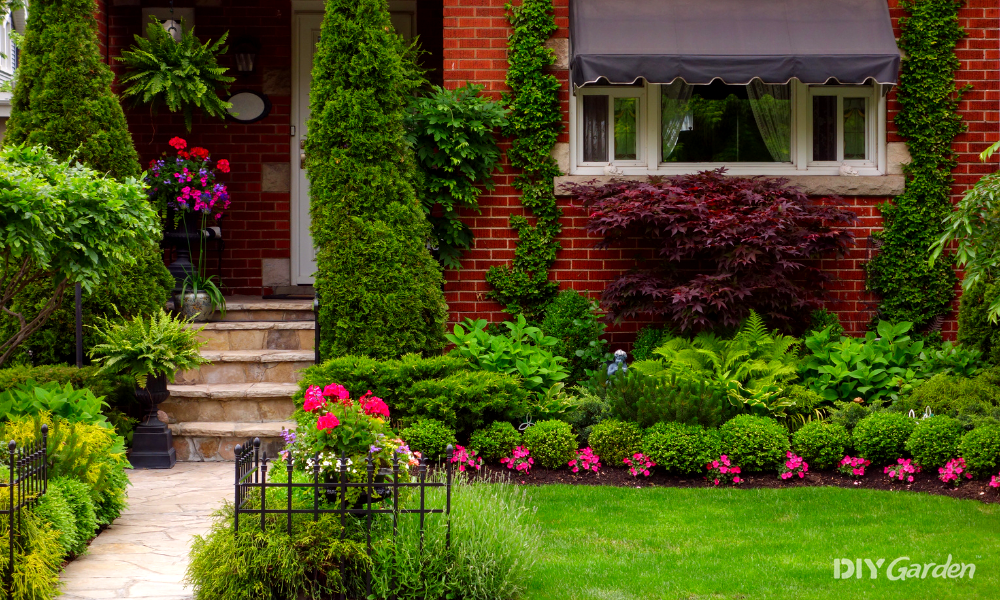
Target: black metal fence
(28,480)
(380,495)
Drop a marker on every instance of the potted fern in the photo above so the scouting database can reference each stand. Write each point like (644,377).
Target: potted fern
(150,350)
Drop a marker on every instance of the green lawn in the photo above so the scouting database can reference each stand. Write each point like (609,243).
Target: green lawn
(615,543)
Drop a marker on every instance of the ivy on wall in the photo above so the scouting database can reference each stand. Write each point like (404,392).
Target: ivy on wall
(911,289)
(534,125)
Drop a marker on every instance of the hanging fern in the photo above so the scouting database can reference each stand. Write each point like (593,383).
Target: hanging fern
(179,74)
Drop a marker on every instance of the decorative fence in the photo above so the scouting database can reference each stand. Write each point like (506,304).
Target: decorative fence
(28,480)
(378,490)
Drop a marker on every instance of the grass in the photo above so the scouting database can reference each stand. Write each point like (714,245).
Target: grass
(612,543)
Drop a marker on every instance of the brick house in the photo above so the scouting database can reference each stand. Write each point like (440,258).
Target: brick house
(267,243)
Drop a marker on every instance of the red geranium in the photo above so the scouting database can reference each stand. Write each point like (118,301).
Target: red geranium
(223,165)
(199,153)
(326,422)
(177,143)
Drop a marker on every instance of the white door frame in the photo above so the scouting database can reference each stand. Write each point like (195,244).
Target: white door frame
(299,228)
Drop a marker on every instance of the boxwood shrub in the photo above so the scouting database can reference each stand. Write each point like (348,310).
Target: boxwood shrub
(496,441)
(679,448)
(822,445)
(754,443)
(615,440)
(981,450)
(430,437)
(881,437)
(551,443)
(934,441)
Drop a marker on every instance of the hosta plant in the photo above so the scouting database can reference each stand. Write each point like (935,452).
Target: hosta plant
(160,345)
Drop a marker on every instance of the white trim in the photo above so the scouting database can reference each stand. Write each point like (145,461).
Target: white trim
(648,149)
(308,6)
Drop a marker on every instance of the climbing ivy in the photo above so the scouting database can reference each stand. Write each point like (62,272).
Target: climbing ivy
(911,288)
(534,124)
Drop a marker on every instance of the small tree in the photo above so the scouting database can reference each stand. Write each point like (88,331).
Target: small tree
(63,96)
(62,223)
(379,288)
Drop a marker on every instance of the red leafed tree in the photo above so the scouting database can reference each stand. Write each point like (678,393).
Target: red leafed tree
(725,245)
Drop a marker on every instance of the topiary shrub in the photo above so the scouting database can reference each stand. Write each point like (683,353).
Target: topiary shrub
(430,437)
(63,96)
(647,400)
(589,410)
(934,441)
(378,285)
(615,440)
(574,319)
(551,443)
(822,445)
(496,441)
(754,443)
(981,450)
(881,437)
(681,449)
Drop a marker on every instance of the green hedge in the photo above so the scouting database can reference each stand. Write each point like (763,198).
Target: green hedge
(443,387)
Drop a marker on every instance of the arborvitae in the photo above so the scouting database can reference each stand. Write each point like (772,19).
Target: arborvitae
(379,288)
(63,96)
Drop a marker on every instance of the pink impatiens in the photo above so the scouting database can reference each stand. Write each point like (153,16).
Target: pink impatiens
(903,469)
(586,460)
(521,460)
(466,457)
(853,467)
(639,464)
(723,471)
(953,471)
(794,466)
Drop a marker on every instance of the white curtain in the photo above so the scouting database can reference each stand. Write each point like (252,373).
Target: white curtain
(772,109)
(673,110)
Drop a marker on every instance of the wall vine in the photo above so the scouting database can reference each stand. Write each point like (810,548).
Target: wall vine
(534,124)
(911,289)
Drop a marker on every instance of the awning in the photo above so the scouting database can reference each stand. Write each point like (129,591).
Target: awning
(814,41)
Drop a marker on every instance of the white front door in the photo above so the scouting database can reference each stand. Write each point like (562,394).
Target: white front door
(305,36)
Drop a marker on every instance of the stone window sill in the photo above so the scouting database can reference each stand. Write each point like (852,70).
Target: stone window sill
(813,185)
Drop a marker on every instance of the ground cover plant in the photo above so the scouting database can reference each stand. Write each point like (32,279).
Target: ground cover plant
(773,544)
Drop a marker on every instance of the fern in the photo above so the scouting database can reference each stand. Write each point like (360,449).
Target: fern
(180,74)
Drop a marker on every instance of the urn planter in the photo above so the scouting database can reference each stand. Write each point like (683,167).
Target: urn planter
(152,441)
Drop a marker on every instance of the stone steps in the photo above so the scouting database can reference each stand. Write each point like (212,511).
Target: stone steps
(256,355)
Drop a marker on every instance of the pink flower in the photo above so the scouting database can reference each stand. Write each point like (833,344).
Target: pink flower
(177,143)
(314,399)
(335,390)
(717,481)
(737,480)
(910,478)
(375,407)
(327,422)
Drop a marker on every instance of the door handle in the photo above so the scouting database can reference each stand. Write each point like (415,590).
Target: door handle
(302,154)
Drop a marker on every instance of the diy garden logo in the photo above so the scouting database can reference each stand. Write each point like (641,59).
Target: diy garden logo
(900,569)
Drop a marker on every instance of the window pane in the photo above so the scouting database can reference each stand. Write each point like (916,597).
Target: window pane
(595,129)
(854,129)
(720,126)
(625,128)
(824,128)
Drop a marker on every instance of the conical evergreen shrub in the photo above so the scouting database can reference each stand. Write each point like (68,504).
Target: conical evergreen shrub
(379,288)
(63,96)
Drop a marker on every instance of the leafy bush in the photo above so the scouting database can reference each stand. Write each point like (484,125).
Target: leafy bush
(496,441)
(589,410)
(752,367)
(53,509)
(66,224)
(699,220)
(615,440)
(380,290)
(821,444)
(551,443)
(78,499)
(647,400)
(934,441)
(881,437)
(680,449)
(804,406)
(574,320)
(430,437)
(969,400)
(754,443)
(974,327)
(849,414)
(981,450)
(39,557)
(452,135)
(821,319)
(883,365)
(648,339)
(525,351)
(446,388)
(75,406)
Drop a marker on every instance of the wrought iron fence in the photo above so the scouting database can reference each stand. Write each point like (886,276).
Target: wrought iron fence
(28,480)
(252,486)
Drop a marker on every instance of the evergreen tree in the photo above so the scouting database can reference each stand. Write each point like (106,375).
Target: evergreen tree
(63,96)
(379,288)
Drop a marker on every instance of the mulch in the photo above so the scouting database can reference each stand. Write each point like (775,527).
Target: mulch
(874,479)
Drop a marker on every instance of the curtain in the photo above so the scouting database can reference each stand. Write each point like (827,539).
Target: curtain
(673,111)
(772,109)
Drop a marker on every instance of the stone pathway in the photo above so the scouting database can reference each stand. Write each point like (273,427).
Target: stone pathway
(145,552)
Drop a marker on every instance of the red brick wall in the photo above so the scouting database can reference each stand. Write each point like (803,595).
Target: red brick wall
(475,42)
(257,224)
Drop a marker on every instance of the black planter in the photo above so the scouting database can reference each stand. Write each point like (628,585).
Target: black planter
(152,441)
(183,237)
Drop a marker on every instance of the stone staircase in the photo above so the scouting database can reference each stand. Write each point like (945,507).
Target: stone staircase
(256,354)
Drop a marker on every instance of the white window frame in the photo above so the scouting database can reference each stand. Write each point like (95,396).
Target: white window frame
(648,138)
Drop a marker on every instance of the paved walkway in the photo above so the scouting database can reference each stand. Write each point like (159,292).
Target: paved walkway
(145,552)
